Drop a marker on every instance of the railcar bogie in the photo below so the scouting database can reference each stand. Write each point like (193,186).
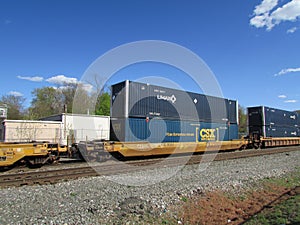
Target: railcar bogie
(31,153)
(93,150)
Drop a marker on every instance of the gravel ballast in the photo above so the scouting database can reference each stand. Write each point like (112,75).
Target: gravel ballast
(101,200)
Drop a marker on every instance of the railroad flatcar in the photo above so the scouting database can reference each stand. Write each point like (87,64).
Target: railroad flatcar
(32,153)
(152,120)
(272,127)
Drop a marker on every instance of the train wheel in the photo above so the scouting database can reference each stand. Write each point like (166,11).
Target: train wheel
(256,145)
(36,162)
(92,157)
(243,147)
(100,158)
(107,156)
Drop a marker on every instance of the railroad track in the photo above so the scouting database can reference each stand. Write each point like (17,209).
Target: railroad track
(58,175)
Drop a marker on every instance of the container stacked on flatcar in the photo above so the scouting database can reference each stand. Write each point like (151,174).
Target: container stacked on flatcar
(143,112)
(269,122)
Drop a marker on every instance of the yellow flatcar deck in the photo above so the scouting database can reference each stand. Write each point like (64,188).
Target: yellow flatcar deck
(129,149)
(284,141)
(13,152)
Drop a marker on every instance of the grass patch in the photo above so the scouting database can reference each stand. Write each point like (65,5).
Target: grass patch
(287,212)
(73,194)
(184,199)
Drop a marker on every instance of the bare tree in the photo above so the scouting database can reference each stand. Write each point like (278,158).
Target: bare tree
(100,96)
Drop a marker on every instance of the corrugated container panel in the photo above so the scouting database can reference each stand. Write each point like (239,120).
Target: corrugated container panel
(117,129)
(266,116)
(280,117)
(218,109)
(274,131)
(163,102)
(88,127)
(232,107)
(200,109)
(144,100)
(233,131)
(118,100)
(158,130)
(82,127)
(255,116)
(138,99)
(169,103)
(31,130)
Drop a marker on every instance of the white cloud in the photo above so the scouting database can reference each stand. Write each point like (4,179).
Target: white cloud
(265,17)
(288,70)
(291,101)
(265,7)
(15,93)
(87,87)
(35,79)
(261,21)
(282,96)
(292,30)
(290,11)
(62,80)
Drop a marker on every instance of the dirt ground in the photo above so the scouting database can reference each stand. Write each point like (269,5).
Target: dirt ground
(222,208)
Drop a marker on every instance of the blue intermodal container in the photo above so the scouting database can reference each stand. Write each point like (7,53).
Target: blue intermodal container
(274,131)
(157,130)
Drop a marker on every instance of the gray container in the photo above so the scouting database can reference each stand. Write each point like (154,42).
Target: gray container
(132,99)
(119,100)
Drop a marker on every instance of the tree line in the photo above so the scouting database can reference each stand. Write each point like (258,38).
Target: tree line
(46,101)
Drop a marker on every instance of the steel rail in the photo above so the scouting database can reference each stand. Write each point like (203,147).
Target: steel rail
(58,175)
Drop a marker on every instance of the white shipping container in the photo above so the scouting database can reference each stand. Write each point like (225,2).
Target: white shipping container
(30,130)
(78,127)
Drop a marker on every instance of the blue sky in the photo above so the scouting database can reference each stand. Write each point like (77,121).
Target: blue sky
(252,47)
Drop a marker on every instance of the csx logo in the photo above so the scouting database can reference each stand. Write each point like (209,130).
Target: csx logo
(207,134)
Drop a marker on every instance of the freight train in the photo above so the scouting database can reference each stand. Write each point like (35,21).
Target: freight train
(148,120)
